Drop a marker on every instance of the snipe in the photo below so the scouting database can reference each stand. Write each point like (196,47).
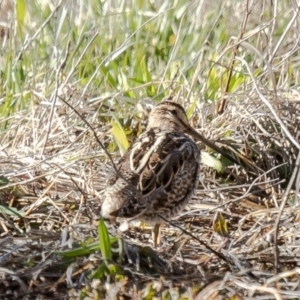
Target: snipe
(160,170)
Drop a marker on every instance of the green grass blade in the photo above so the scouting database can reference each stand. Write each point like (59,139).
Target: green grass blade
(104,241)
(192,108)
(20,14)
(84,250)
(11,211)
(3,181)
(98,273)
(120,136)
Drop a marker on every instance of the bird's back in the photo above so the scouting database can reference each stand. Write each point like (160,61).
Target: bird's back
(161,170)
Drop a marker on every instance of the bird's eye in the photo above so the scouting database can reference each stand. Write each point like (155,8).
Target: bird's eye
(174,112)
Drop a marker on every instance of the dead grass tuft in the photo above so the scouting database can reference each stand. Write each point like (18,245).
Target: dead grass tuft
(57,173)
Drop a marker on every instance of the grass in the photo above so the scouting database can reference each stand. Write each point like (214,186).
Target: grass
(136,49)
(109,62)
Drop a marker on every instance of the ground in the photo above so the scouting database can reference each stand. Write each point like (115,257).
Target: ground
(77,83)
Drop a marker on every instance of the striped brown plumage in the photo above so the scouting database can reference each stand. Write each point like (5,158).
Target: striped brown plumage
(160,171)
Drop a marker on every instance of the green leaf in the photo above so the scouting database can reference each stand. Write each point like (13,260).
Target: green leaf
(61,22)
(114,269)
(220,226)
(166,295)
(20,14)
(120,136)
(98,273)
(84,249)
(80,251)
(124,81)
(109,78)
(211,161)
(144,69)
(104,241)
(11,211)
(149,292)
(3,181)
(192,108)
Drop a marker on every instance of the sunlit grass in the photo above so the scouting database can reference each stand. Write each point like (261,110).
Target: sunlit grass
(135,48)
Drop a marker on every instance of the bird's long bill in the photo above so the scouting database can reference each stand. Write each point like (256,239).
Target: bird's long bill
(210,144)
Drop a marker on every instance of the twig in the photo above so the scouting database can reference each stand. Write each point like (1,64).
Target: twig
(55,94)
(295,174)
(269,105)
(220,105)
(283,35)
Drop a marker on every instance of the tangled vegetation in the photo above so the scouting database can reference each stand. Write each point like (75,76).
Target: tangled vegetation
(77,81)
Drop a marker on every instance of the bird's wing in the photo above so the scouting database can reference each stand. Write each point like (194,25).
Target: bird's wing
(160,170)
(159,159)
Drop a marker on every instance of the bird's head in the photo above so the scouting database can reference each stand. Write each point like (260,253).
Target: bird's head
(170,116)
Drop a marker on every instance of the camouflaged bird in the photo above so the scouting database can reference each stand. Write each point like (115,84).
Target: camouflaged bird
(161,170)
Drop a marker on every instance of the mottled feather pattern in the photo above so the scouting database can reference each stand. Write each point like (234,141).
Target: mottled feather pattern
(159,173)
(164,168)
